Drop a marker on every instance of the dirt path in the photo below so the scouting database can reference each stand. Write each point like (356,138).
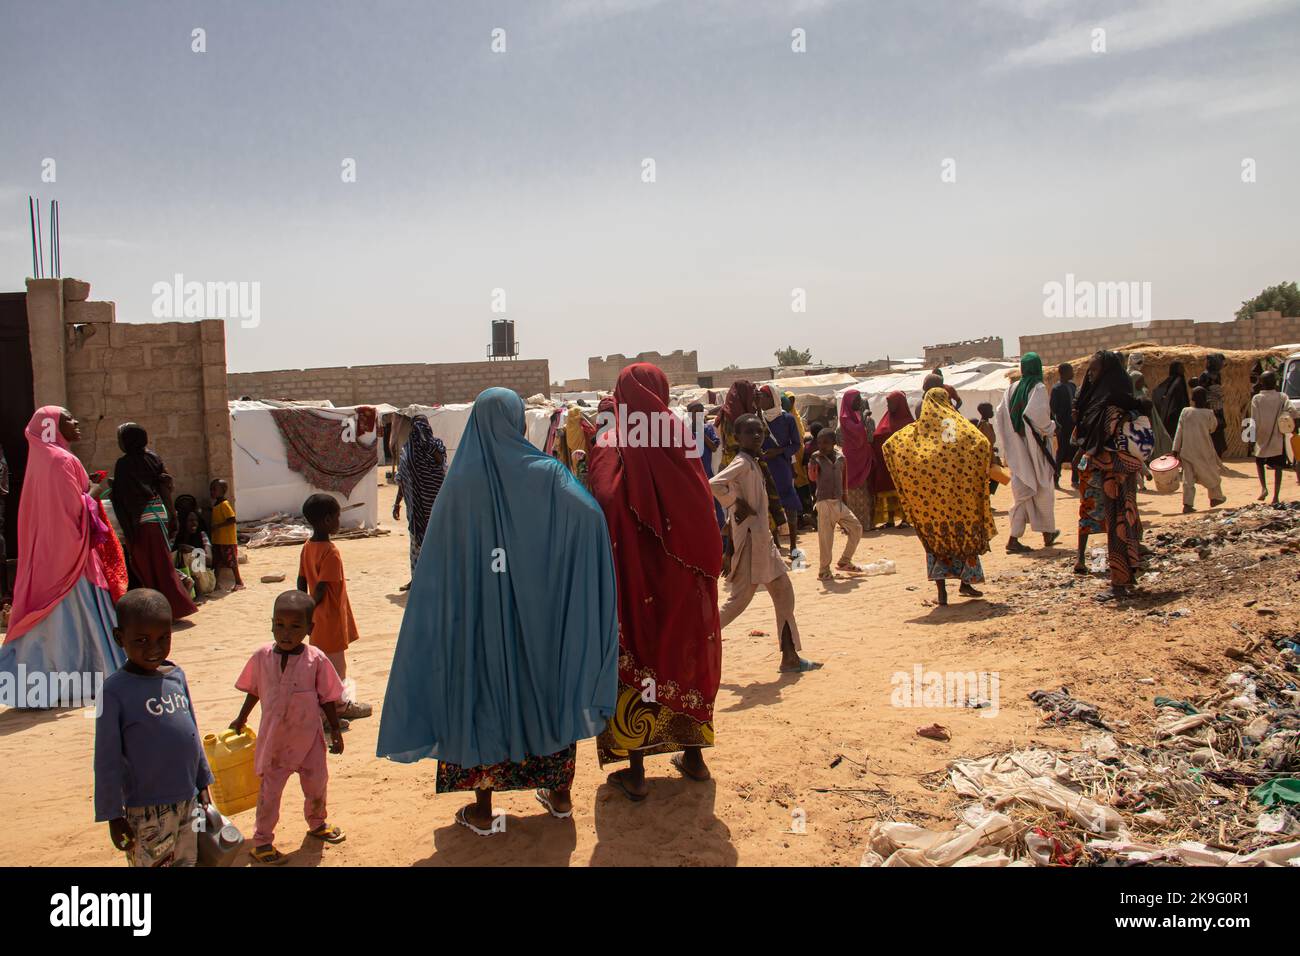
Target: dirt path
(777,736)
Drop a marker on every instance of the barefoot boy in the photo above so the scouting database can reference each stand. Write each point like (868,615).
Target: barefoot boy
(755,561)
(320,574)
(296,684)
(225,539)
(150,772)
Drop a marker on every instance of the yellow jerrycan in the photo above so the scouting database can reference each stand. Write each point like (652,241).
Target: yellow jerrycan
(230,755)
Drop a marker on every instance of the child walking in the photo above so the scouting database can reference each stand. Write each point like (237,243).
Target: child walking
(225,539)
(320,574)
(755,561)
(826,469)
(151,776)
(1194,446)
(296,684)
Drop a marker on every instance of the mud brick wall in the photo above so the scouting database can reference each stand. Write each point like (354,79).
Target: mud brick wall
(955,352)
(400,385)
(680,367)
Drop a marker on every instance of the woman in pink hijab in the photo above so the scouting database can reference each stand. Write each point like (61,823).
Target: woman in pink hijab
(62,618)
(856,442)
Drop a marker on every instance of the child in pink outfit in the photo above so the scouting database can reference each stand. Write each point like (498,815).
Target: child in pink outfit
(295,683)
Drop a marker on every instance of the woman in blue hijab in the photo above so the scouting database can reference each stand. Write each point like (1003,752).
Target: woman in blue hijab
(508,652)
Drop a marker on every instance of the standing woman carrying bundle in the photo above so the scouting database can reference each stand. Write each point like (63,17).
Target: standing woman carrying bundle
(1105,404)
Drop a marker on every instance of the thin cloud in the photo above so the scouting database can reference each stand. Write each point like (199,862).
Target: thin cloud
(1205,97)
(1154,24)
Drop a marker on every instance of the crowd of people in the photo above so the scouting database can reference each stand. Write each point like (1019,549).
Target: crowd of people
(584,597)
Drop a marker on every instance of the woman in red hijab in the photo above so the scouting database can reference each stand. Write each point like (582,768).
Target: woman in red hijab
(897,416)
(856,440)
(667,558)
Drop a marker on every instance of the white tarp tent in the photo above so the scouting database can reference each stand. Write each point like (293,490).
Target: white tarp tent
(823,384)
(976,382)
(448,423)
(264,483)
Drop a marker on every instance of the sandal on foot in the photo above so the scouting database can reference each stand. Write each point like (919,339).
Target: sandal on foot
(1081,569)
(616,778)
(464,821)
(969,591)
(803,668)
(825,577)
(1018,548)
(328,833)
(679,761)
(268,854)
(544,798)
(354,710)
(1051,539)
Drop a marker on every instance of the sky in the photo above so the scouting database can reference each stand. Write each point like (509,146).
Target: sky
(920,170)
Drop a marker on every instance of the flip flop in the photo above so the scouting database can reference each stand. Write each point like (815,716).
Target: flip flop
(463,821)
(934,732)
(545,800)
(803,668)
(328,833)
(268,855)
(616,778)
(679,761)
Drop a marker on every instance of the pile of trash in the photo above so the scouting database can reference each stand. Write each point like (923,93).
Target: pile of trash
(282,529)
(1217,785)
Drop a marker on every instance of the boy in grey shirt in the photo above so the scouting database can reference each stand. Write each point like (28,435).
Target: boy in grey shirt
(826,468)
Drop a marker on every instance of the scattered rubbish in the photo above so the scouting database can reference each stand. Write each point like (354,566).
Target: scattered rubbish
(1182,705)
(1278,791)
(273,578)
(883,566)
(934,732)
(287,529)
(1060,706)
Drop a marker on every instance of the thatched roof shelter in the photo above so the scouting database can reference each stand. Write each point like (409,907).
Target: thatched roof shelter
(1237,368)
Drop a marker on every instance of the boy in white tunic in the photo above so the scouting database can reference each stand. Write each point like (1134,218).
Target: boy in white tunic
(1194,448)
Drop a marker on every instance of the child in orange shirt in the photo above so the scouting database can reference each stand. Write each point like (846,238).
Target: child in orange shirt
(320,574)
(225,541)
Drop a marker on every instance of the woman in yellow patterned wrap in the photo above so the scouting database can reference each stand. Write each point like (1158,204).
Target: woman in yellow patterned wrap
(940,466)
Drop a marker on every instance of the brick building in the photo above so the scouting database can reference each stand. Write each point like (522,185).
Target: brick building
(680,367)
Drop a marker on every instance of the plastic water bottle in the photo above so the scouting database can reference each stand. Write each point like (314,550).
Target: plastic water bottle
(883,566)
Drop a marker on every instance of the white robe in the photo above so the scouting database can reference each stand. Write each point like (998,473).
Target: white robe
(1032,474)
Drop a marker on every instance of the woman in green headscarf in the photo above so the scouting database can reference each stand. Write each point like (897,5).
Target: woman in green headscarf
(1024,428)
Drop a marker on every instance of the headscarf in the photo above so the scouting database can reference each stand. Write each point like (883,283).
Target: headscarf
(1111,387)
(776,411)
(136,478)
(578,433)
(421,468)
(667,551)
(511,648)
(800,472)
(897,415)
(855,441)
(1031,375)
(941,467)
(54,523)
(741,400)
(1170,396)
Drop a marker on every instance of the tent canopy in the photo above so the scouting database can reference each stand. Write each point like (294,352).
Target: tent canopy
(263,482)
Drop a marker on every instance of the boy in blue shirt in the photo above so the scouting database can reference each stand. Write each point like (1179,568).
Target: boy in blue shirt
(150,771)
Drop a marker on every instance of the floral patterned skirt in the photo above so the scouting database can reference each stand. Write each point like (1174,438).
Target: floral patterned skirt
(648,727)
(553,772)
(967,570)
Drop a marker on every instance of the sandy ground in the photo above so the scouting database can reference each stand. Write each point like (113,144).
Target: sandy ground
(777,735)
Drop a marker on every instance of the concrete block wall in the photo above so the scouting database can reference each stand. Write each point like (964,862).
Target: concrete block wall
(989,347)
(423,384)
(680,366)
(170,377)
(1262,330)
